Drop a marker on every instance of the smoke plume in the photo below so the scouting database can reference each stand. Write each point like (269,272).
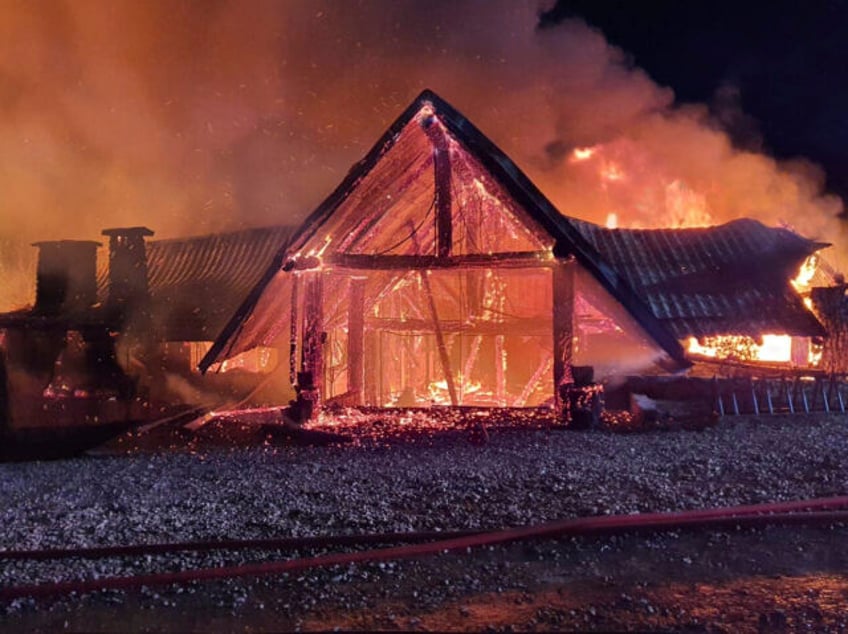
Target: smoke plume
(191,117)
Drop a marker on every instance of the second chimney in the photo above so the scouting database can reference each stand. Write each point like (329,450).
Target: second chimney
(127,266)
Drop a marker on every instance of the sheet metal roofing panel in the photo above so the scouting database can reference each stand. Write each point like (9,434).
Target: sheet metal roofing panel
(729,279)
(197,283)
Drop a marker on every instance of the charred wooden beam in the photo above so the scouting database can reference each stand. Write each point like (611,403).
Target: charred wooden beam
(468,368)
(302,264)
(371,365)
(293,331)
(518,259)
(442,172)
(544,368)
(563,325)
(500,370)
(356,338)
(312,353)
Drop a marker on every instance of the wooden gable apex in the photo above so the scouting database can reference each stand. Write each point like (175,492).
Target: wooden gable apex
(348,222)
(426,196)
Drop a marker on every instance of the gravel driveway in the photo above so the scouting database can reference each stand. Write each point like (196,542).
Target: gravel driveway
(418,481)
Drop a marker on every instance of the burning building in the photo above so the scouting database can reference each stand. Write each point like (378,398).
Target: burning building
(437,273)
(115,334)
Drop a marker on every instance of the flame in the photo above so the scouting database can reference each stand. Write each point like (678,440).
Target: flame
(774,348)
(437,391)
(582,153)
(686,207)
(612,220)
(626,180)
(805,275)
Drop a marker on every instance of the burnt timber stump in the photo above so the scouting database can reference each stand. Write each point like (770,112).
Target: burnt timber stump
(582,400)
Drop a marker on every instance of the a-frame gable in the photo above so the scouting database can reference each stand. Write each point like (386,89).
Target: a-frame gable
(427,196)
(359,217)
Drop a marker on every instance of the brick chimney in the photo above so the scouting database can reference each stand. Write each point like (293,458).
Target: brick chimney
(66,278)
(128,285)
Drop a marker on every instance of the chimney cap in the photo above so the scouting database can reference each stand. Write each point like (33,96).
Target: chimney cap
(59,243)
(127,231)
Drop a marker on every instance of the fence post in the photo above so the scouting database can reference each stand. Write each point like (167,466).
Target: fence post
(789,398)
(719,403)
(754,399)
(768,399)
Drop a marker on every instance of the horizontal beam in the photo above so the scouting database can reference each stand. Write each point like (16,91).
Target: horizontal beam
(405,262)
(527,327)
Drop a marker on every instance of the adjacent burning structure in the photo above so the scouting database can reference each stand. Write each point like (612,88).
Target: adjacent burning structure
(438,273)
(117,338)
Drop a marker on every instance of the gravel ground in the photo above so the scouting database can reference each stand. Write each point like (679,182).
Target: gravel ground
(419,481)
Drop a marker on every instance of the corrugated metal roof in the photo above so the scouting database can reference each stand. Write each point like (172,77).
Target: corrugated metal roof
(197,283)
(729,279)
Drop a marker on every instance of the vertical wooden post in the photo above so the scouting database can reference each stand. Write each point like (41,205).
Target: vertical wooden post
(312,353)
(442,173)
(356,338)
(371,368)
(563,325)
(293,330)
(500,370)
(5,418)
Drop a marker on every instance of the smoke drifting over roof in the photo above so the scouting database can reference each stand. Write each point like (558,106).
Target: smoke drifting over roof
(191,117)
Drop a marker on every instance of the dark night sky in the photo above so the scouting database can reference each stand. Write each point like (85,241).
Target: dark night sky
(786,60)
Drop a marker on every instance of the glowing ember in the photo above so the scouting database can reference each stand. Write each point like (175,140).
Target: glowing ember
(612,172)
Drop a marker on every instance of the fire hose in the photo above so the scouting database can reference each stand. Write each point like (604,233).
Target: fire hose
(819,511)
